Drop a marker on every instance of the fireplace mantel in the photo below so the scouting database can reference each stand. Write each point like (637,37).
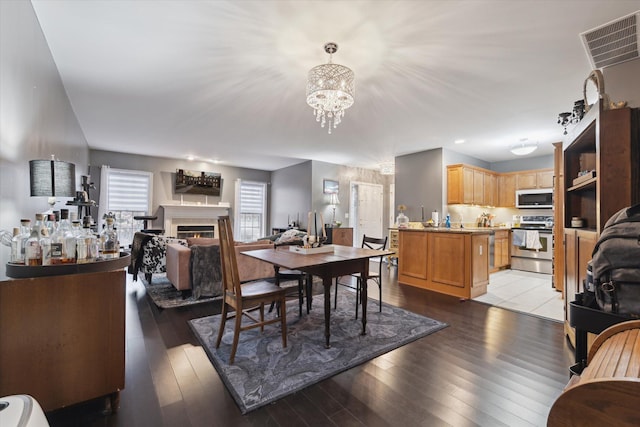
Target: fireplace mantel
(175,215)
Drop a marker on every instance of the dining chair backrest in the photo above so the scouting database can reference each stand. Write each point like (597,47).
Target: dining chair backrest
(230,276)
(375,243)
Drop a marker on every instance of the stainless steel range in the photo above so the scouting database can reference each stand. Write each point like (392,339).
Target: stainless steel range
(532,244)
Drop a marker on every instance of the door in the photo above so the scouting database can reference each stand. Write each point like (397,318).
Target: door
(366,210)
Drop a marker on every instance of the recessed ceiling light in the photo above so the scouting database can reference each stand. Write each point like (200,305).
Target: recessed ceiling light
(459,141)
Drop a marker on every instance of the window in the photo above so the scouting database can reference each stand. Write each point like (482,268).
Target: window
(250,214)
(125,193)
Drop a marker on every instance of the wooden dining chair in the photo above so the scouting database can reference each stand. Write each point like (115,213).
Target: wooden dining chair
(246,297)
(374,243)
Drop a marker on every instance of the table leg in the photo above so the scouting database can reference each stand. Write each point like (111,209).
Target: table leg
(364,275)
(326,282)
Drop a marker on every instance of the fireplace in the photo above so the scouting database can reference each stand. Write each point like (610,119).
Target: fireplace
(185,231)
(192,216)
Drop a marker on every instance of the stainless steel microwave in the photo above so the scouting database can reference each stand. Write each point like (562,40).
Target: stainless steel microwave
(541,198)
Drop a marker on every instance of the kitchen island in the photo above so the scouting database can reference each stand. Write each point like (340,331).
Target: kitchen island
(453,261)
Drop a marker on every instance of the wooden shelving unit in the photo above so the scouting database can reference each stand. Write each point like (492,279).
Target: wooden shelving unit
(607,142)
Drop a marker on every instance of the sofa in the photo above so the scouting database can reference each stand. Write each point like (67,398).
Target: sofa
(181,263)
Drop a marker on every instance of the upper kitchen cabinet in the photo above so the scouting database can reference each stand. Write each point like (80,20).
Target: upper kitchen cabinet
(507,190)
(470,185)
(601,173)
(542,178)
(459,185)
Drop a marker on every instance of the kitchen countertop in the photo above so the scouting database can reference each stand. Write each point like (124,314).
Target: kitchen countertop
(482,230)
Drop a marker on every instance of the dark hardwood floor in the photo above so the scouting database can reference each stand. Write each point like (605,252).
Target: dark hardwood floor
(490,367)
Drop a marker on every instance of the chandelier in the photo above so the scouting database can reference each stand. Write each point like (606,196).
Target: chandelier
(330,89)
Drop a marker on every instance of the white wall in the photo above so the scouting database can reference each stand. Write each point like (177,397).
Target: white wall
(36,118)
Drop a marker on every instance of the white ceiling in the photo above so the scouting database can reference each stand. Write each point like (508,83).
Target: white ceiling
(226,80)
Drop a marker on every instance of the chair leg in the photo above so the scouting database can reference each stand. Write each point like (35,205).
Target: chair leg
(358,284)
(148,276)
(380,294)
(335,295)
(223,321)
(283,322)
(300,294)
(236,335)
(309,292)
(262,315)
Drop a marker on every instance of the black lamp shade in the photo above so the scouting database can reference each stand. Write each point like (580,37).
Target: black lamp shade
(52,178)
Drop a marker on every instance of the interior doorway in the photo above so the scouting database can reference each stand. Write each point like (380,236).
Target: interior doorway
(366,210)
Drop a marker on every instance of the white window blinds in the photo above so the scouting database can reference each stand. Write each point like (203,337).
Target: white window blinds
(129,190)
(252,197)
(250,214)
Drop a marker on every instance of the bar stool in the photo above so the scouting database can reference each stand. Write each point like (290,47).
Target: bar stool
(145,219)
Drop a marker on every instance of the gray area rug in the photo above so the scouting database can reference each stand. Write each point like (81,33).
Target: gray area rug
(264,371)
(165,295)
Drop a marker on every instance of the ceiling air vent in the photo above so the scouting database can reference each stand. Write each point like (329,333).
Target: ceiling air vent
(613,43)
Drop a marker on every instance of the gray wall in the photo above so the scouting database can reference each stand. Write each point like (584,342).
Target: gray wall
(36,117)
(164,170)
(419,182)
(290,194)
(622,82)
(540,162)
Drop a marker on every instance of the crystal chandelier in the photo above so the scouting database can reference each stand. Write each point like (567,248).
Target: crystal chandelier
(330,89)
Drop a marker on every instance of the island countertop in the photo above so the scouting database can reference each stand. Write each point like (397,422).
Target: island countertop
(482,230)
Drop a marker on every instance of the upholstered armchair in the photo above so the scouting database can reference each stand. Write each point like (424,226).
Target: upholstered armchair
(149,254)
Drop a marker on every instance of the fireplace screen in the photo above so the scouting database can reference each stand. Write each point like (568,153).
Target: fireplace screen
(185,231)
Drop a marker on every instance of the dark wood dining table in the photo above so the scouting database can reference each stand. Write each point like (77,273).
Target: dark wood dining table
(344,260)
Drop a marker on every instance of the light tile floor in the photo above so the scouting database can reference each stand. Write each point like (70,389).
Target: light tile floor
(525,292)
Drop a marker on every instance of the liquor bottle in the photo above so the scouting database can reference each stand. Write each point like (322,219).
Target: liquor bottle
(109,241)
(21,240)
(45,241)
(15,246)
(33,251)
(63,242)
(86,246)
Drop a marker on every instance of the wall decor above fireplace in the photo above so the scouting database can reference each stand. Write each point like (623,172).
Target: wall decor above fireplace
(191,182)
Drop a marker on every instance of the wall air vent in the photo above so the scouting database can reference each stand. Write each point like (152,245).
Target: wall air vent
(613,43)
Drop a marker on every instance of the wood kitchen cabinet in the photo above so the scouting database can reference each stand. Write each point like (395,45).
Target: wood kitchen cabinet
(450,262)
(490,189)
(534,179)
(507,191)
(478,187)
(459,185)
(502,254)
(340,236)
(472,185)
(578,246)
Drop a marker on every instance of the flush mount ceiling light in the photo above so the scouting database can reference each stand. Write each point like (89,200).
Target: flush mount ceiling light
(524,147)
(330,90)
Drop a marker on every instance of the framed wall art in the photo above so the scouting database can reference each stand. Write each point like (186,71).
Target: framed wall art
(330,186)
